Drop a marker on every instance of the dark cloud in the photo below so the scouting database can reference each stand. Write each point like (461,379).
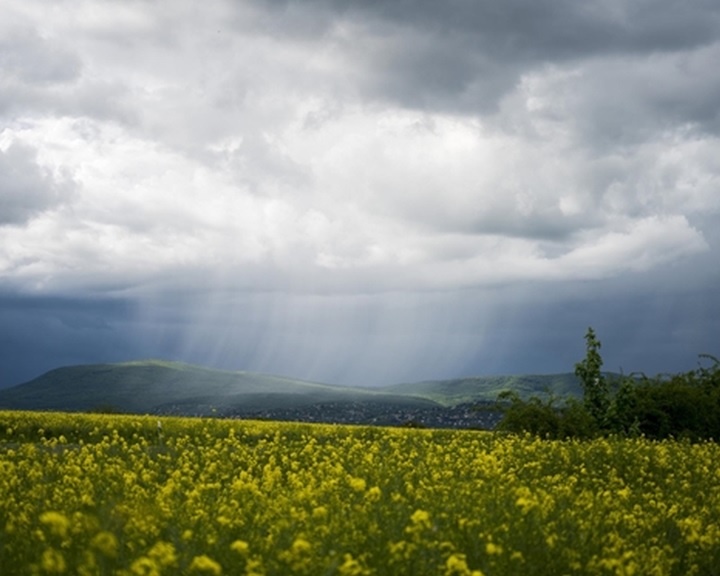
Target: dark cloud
(464,55)
(653,96)
(38,334)
(26,188)
(546,30)
(373,339)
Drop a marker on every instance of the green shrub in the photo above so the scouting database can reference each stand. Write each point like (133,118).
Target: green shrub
(683,405)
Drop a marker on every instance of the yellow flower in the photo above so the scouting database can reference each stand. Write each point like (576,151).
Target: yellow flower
(456,564)
(300,546)
(145,566)
(373,495)
(106,544)
(357,484)
(205,565)
(298,556)
(163,553)
(319,512)
(493,549)
(241,547)
(421,517)
(57,523)
(352,567)
(53,561)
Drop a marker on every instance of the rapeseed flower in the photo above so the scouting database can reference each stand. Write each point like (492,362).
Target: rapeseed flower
(241,547)
(271,498)
(106,543)
(357,484)
(56,522)
(421,518)
(456,565)
(204,565)
(53,561)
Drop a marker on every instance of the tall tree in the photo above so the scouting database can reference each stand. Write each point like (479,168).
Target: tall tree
(589,371)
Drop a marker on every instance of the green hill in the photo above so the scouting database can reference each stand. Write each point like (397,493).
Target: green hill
(486,388)
(156,386)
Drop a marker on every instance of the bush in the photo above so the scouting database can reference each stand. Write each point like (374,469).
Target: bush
(545,419)
(683,405)
(678,406)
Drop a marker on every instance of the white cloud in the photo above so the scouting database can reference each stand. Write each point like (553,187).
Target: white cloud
(261,146)
(641,245)
(385,199)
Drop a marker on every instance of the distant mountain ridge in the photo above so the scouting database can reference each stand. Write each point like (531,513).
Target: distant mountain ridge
(487,388)
(160,387)
(143,386)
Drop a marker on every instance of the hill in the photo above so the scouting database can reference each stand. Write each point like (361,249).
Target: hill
(158,387)
(486,388)
(155,386)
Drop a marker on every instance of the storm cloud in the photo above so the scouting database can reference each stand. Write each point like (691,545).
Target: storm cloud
(359,192)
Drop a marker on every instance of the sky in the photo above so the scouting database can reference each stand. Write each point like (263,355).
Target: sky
(359,193)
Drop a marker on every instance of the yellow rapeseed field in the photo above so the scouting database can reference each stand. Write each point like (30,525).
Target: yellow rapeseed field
(129,495)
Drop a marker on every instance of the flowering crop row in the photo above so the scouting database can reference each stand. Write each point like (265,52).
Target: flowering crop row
(122,495)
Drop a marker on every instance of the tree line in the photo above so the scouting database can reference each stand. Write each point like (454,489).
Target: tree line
(685,405)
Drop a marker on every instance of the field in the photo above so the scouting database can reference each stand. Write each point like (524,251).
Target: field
(130,495)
